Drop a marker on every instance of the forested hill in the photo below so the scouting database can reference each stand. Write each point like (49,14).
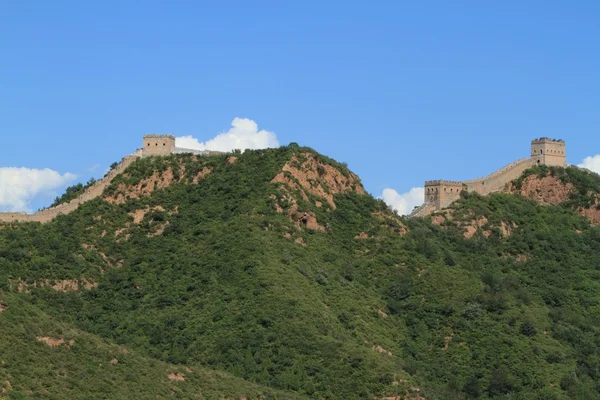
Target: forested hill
(271,274)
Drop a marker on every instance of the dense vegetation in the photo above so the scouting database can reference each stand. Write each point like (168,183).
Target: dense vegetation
(214,278)
(87,367)
(72,192)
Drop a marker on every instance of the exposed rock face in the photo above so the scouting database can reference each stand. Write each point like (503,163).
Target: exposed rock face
(144,188)
(548,190)
(138,215)
(312,176)
(205,171)
(307,175)
(474,226)
(592,213)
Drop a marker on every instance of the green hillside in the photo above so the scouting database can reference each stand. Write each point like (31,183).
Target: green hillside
(273,267)
(42,358)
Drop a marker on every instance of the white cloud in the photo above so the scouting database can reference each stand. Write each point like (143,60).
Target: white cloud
(18,186)
(592,163)
(243,134)
(93,168)
(403,203)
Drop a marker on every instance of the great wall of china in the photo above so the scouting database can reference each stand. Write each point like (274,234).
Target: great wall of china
(439,194)
(153,145)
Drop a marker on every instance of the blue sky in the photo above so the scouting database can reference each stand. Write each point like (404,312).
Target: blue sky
(401,91)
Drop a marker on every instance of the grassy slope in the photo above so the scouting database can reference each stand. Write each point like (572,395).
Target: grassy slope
(32,369)
(222,288)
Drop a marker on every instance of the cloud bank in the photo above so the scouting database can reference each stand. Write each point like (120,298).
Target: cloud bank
(403,203)
(242,135)
(18,186)
(592,163)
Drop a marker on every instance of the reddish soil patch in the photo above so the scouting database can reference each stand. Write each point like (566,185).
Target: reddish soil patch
(177,377)
(382,350)
(55,342)
(138,215)
(201,175)
(472,227)
(308,220)
(232,160)
(438,219)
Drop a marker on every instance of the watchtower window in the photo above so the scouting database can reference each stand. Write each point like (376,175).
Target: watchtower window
(156,144)
(148,144)
(164,144)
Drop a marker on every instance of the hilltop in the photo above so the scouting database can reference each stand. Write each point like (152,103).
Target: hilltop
(271,273)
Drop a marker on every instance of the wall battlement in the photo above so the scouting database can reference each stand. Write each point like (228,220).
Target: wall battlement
(152,145)
(65,208)
(442,182)
(440,194)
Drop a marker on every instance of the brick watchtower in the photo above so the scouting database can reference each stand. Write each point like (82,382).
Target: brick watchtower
(549,151)
(158,145)
(442,193)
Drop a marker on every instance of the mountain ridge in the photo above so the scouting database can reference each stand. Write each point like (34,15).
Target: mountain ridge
(275,267)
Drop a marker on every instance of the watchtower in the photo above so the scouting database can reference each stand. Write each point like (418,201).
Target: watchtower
(549,151)
(158,145)
(442,193)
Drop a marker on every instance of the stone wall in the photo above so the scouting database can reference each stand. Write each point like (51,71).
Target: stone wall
(65,208)
(498,180)
(158,145)
(549,151)
(442,193)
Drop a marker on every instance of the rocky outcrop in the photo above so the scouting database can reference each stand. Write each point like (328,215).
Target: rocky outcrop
(308,178)
(310,175)
(548,190)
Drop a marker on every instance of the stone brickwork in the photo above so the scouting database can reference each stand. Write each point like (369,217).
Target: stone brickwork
(440,194)
(65,208)
(158,145)
(549,151)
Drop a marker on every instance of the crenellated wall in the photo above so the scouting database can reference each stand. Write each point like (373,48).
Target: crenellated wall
(440,194)
(65,208)
(152,145)
(498,180)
